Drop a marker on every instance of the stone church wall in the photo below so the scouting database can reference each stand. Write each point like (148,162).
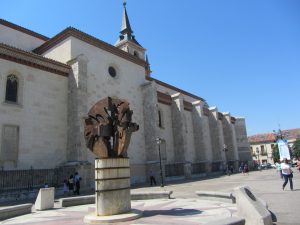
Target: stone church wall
(41,116)
(215,135)
(242,140)
(166,132)
(188,127)
(227,131)
(202,137)
(99,84)
(18,39)
(61,52)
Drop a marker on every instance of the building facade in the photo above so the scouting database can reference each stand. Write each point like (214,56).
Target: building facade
(262,145)
(49,84)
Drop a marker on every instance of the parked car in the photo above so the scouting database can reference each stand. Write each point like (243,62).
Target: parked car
(266,166)
(273,166)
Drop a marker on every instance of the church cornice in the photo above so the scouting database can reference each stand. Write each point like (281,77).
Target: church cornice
(70,31)
(164,98)
(187,106)
(124,42)
(174,88)
(30,59)
(232,120)
(23,30)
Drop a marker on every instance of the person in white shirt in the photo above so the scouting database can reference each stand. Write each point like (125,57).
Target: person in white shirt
(287,173)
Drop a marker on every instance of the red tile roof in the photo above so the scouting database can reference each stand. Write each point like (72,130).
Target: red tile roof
(291,133)
(270,137)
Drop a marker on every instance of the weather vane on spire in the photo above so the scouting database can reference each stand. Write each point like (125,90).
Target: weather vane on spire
(124,3)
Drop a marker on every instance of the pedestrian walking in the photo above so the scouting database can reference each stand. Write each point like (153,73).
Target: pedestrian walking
(71,184)
(66,187)
(77,180)
(227,170)
(231,169)
(287,174)
(246,169)
(241,168)
(152,178)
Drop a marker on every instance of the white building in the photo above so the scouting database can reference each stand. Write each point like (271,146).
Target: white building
(262,145)
(49,84)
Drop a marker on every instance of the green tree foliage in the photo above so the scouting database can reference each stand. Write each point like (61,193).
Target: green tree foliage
(275,154)
(296,148)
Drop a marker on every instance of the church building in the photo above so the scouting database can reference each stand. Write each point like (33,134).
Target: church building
(47,86)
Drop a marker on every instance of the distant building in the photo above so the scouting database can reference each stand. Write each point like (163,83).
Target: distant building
(262,145)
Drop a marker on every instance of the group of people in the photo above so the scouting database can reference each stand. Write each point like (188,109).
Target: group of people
(244,168)
(72,185)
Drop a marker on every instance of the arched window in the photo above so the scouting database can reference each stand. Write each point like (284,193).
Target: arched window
(12,83)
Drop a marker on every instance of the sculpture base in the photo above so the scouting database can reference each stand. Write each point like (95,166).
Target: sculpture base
(132,215)
(112,186)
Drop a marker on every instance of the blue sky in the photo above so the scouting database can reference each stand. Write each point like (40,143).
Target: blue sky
(241,56)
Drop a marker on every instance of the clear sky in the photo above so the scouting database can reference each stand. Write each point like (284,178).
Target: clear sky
(242,56)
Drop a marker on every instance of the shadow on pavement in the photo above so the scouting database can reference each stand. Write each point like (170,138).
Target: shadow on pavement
(172,212)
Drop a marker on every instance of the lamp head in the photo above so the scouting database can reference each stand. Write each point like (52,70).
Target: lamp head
(158,140)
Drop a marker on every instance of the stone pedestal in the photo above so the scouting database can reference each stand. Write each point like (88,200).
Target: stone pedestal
(45,199)
(113,201)
(112,177)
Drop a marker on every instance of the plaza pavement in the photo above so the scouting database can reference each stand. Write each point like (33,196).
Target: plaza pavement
(265,184)
(186,207)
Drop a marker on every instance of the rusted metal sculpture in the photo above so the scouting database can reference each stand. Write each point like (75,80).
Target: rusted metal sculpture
(108,128)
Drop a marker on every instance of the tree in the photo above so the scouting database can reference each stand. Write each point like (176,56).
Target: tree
(296,148)
(275,154)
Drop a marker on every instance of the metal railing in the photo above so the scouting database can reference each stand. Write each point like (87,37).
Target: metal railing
(176,169)
(198,168)
(17,180)
(215,166)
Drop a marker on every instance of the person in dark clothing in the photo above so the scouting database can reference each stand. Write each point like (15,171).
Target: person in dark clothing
(77,180)
(152,178)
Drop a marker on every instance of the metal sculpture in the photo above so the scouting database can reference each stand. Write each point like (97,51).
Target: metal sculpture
(108,128)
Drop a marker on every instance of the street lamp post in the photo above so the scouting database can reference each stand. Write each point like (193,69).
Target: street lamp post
(257,152)
(158,142)
(225,150)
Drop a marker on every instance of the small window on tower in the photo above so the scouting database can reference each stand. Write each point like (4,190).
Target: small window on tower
(112,71)
(136,54)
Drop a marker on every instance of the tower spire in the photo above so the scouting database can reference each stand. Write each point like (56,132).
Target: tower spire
(127,41)
(147,67)
(126,28)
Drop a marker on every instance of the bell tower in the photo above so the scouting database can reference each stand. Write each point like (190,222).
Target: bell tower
(127,41)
